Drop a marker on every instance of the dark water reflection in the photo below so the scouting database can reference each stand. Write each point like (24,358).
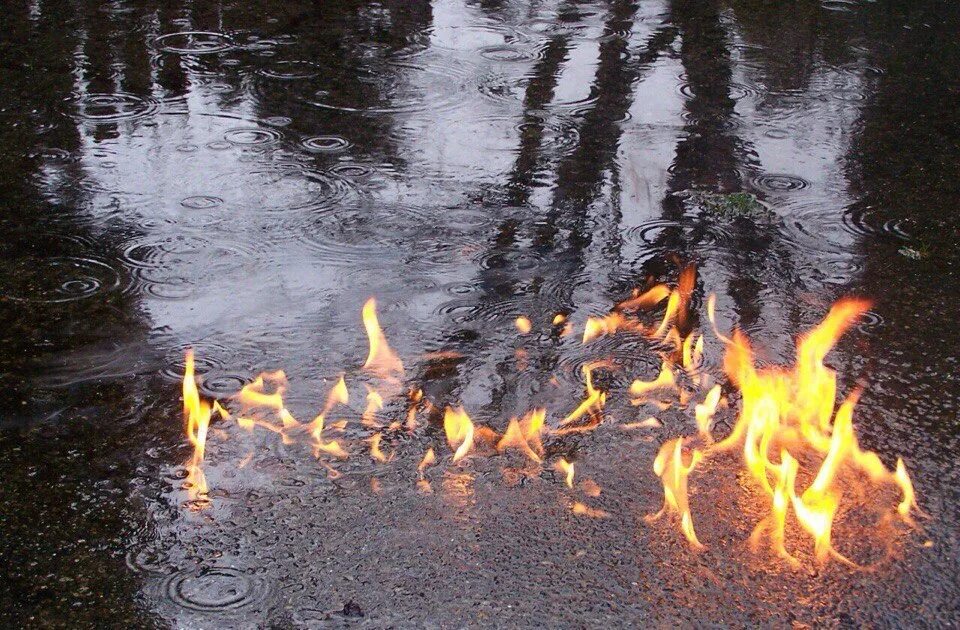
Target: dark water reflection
(239,177)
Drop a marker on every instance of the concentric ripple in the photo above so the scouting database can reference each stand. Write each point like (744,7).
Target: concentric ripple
(105,108)
(57,279)
(398,87)
(216,589)
(780,182)
(201,202)
(507,53)
(736,91)
(325,144)
(862,219)
(193,43)
(210,360)
(291,70)
(288,189)
(251,136)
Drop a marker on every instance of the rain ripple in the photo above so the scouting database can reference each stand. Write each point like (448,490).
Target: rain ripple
(107,108)
(215,589)
(57,279)
(864,220)
(193,43)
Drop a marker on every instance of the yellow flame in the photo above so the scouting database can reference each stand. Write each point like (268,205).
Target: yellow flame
(674,473)
(786,414)
(593,404)
(565,468)
(375,451)
(525,436)
(374,404)
(523,325)
(704,412)
(197,413)
(665,380)
(381,360)
(459,429)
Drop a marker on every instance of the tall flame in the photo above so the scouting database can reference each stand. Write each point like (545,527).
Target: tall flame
(787,417)
(197,414)
(381,359)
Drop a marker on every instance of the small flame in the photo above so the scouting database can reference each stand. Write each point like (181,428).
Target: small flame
(459,429)
(565,468)
(581,509)
(674,473)
(375,451)
(704,412)
(646,300)
(428,460)
(665,380)
(593,404)
(414,396)
(525,436)
(646,423)
(523,325)
(374,404)
(381,360)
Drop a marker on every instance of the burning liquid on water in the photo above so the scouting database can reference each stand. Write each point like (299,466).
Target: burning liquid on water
(793,441)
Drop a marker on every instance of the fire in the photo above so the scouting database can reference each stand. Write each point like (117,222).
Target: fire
(592,405)
(565,468)
(381,360)
(459,429)
(794,437)
(525,436)
(787,417)
(197,413)
(523,325)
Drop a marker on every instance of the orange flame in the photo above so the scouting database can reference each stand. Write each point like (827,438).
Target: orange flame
(381,360)
(197,414)
(525,436)
(787,416)
(565,468)
(459,429)
(523,325)
(592,405)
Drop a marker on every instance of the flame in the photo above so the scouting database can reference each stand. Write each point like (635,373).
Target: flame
(593,404)
(646,300)
(459,429)
(428,460)
(374,404)
(525,436)
(381,360)
(197,413)
(375,451)
(669,466)
(414,396)
(787,417)
(794,436)
(704,412)
(523,325)
(665,380)
(565,468)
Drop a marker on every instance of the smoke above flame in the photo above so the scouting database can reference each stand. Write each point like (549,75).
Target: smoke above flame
(795,443)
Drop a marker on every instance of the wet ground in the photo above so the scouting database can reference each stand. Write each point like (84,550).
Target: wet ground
(238,177)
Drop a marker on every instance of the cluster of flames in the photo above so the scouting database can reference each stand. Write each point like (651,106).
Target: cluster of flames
(788,425)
